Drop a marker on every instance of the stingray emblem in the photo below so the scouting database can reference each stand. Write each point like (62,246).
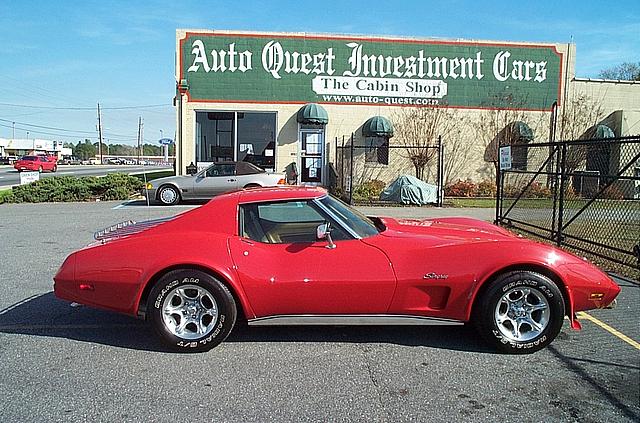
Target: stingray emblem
(435,276)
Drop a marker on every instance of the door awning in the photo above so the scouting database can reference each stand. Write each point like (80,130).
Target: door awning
(377,126)
(312,113)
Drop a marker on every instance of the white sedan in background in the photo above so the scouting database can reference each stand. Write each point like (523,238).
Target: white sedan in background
(217,179)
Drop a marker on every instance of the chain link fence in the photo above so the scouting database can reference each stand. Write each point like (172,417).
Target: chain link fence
(583,194)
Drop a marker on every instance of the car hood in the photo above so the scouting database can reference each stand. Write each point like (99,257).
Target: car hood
(445,230)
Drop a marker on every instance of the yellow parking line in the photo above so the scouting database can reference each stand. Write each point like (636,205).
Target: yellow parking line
(625,338)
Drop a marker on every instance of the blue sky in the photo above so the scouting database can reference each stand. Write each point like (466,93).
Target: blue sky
(58,59)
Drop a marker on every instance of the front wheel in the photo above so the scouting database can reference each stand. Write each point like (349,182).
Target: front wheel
(168,195)
(55,168)
(191,310)
(40,169)
(521,312)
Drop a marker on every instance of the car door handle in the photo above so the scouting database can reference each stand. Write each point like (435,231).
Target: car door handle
(231,180)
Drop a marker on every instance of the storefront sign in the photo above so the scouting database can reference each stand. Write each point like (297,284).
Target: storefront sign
(222,67)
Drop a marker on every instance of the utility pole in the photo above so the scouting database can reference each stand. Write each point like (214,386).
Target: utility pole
(99,134)
(139,136)
(13,126)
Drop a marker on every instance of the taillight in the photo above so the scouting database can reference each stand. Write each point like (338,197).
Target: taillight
(282,181)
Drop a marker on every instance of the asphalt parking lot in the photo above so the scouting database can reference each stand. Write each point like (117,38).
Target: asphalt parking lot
(63,363)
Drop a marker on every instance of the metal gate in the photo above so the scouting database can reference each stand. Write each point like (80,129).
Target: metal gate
(584,194)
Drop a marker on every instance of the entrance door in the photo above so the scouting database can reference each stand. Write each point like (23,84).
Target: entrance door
(311,155)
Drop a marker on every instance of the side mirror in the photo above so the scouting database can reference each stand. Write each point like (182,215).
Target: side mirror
(323,231)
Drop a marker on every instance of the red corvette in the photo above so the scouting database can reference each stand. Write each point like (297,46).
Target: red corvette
(292,256)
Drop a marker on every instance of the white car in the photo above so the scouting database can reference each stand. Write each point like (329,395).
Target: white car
(217,179)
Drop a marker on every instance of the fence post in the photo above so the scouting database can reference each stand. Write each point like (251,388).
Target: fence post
(351,173)
(440,197)
(562,168)
(556,194)
(342,178)
(498,193)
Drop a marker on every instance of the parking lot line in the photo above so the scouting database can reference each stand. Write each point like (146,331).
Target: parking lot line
(119,206)
(615,332)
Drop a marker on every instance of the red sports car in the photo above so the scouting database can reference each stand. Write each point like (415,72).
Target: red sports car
(36,163)
(297,256)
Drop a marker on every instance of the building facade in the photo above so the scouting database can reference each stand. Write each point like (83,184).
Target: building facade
(286,100)
(25,146)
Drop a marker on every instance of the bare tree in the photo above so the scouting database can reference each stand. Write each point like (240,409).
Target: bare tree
(576,119)
(417,130)
(500,126)
(457,153)
(627,71)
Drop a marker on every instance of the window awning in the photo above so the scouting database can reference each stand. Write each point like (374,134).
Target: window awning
(312,113)
(377,126)
(603,131)
(599,131)
(516,132)
(521,131)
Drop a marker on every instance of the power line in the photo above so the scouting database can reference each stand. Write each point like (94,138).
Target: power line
(31,106)
(70,131)
(47,127)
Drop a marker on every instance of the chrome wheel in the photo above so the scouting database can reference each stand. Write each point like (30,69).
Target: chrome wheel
(189,312)
(522,314)
(168,195)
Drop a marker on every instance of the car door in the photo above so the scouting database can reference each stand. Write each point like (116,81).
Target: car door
(284,270)
(217,179)
(45,163)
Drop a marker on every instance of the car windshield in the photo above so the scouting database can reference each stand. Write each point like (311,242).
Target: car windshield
(357,221)
(29,158)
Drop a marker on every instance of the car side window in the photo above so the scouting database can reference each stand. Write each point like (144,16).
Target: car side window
(221,169)
(284,222)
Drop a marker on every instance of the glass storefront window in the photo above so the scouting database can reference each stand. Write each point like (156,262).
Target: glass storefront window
(214,136)
(256,139)
(216,140)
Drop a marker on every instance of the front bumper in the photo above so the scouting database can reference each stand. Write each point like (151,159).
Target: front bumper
(149,193)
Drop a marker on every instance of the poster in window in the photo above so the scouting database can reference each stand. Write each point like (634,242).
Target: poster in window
(246,148)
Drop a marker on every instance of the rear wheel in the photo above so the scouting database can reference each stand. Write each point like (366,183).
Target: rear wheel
(168,195)
(40,169)
(55,168)
(252,186)
(521,312)
(191,310)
